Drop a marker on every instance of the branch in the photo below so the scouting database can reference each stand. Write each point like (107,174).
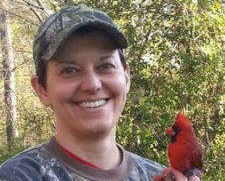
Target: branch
(33,9)
(36,14)
(33,5)
(39,3)
(17,15)
(42,6)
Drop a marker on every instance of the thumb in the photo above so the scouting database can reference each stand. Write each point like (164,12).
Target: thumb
(172,174)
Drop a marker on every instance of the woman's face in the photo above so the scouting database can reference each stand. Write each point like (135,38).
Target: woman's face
(86,86)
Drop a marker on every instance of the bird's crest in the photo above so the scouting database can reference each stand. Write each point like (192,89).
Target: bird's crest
(182,122)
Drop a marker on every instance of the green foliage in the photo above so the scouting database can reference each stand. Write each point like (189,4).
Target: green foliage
(215,159)
(177,64)
(176,55)
(6,154)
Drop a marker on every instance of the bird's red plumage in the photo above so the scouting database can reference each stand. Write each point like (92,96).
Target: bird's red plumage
(184,151)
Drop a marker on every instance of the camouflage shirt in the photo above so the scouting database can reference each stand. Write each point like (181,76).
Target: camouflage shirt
(48,162)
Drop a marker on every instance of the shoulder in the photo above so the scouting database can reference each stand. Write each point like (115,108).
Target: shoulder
(146,163)
(25,164)
(38,163)
(144,168)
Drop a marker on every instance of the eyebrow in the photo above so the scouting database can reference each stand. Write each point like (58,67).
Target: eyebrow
(65,61)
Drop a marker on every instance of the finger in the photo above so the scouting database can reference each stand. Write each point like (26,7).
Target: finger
(170,177)
(193,178)
(192,172)
(177,175)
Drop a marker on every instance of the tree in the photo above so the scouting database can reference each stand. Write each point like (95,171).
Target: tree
(8,76)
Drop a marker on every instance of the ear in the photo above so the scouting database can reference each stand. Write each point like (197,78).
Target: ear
(127,77)
(41,91)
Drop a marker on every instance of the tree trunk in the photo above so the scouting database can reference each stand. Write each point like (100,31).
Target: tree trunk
(8,75)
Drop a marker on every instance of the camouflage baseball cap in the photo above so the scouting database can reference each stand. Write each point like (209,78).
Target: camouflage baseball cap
(57,27)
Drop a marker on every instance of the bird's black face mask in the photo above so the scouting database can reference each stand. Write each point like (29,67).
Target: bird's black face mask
(176,130)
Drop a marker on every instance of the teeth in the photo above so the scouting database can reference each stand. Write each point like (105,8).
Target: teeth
(93,104)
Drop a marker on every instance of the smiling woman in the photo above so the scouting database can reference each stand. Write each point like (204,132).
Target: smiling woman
(82,75)
(86,86)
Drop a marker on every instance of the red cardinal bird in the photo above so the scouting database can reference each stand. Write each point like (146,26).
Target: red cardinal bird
(184,151)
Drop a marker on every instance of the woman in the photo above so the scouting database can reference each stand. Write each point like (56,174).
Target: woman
(82,75)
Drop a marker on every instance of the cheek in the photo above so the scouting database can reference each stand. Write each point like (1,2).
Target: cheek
(120,89)
(60,92)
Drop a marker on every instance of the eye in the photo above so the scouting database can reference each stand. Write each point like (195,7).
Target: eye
(69,70)
(106,67)
(176,129)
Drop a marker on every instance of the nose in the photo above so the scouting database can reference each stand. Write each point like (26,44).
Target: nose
(91,82)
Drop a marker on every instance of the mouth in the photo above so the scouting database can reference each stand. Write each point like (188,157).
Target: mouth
(93,104)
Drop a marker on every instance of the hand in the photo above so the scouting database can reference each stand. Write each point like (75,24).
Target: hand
(175,175)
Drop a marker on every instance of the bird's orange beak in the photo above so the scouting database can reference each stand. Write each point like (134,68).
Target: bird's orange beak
(170,131)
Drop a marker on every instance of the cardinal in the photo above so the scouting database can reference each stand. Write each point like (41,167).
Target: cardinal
(184,151)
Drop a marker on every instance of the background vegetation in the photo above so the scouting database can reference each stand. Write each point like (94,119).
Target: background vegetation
(177,61)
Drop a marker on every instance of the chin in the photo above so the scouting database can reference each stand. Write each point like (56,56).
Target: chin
(100,131)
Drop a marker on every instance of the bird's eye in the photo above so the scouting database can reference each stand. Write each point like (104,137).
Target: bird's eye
(176,129)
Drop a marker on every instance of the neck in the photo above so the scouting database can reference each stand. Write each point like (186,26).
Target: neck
(102,152)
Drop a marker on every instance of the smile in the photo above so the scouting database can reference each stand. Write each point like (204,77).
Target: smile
(93,104)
